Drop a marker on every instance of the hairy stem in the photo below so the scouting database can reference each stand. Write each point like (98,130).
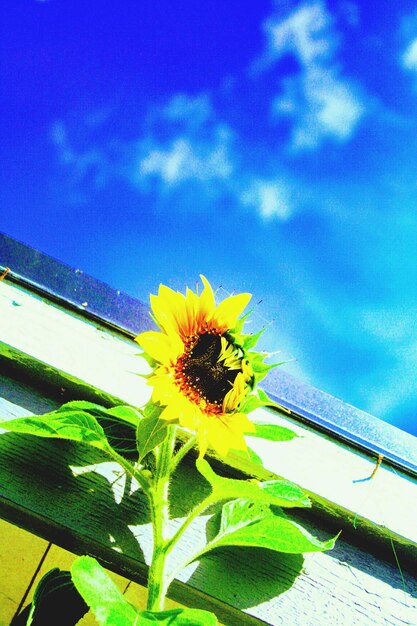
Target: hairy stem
(186,447)
(131,470)
(198,509)
(159,508)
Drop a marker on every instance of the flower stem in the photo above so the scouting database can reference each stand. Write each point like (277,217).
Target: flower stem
(198,509)
(186,447)
(159,508)
(131,470)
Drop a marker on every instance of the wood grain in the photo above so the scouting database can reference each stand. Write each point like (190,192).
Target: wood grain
(20,554)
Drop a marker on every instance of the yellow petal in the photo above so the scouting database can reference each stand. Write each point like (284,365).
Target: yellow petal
(240,422)
(228,433)
(207,302)
(189,415)
(166,307)
(234,397)
(190,313)
(164,388)
(221,438)
(229,310)
(161,347)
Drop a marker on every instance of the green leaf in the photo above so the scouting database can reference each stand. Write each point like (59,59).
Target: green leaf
(253,524)
(78,421)
(250,403)
(272,432)
(177,617)
(72,423)
(151,430)
(255,400)
(150,361)
(255,458)
(82,405)
(101,594)
(111,609)
(126,413)
(276,492)
(249,341)
(245,456)
(261,369)
(263,396)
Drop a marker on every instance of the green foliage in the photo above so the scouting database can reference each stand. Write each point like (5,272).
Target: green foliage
(111,608)
(275,492)
(245,456)
(71,423)
(101,594)
(151,431)
(248,519)
(75,421)
(273,432)
(250,341)
(79,421)
(254,524)
(252,515)
(177,617)
(126,414)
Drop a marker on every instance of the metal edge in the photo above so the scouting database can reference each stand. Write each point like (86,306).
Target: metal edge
(73,289)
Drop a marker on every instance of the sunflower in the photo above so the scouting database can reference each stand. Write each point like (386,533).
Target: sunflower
(203,372)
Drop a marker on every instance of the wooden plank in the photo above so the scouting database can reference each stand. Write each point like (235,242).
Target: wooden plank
(25,563)
(73,351)
(20,554)
(70,495)
(27,558)
(58,557)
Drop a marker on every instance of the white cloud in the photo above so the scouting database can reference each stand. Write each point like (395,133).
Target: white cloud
(194,111)
(271,198)
(86,167)
(305,32)
(409,58)
(322,103)
(184,160)
(185,150)
(195,145)
(199,154)
(201,150)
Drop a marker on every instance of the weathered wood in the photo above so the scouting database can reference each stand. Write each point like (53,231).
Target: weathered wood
(20,554)
(26,558)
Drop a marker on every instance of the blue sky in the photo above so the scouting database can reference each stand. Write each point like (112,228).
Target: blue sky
(269,145)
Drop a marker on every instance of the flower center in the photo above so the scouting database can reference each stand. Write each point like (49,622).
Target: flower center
(207,369)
